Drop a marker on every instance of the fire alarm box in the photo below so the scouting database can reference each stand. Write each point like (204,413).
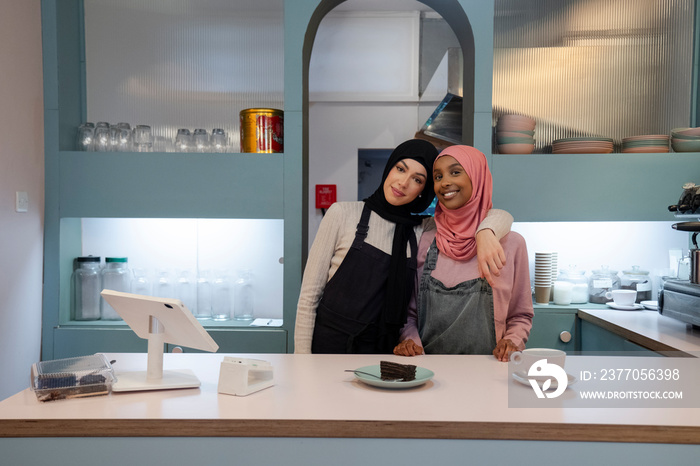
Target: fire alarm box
(325,195)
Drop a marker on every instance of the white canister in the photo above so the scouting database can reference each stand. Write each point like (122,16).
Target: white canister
(579,294)
(563,292)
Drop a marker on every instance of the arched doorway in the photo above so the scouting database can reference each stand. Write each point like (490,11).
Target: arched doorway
(454,14)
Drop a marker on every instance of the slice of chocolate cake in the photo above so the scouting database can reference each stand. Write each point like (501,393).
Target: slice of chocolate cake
(395,371)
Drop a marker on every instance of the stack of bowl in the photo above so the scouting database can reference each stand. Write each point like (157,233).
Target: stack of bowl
(582,145)
(515,134)
(647,143)
(685,139)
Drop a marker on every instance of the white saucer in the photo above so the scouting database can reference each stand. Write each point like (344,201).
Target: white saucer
(651,305)
(635,307)
(523,378)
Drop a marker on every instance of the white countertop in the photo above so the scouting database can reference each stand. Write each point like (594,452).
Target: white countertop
(647,328)
(313,396)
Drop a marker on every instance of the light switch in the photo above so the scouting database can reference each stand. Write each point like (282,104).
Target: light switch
(21,201)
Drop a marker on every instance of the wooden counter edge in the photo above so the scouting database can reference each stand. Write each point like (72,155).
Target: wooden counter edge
(634,337)
(349,429)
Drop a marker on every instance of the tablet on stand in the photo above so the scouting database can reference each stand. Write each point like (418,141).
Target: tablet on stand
(160,321)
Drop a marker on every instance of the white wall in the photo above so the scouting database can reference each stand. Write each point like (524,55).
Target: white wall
(338,130)
(22,162)
(209,247)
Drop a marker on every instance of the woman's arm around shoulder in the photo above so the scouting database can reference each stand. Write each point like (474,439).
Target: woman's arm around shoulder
(520,309)
(490,255)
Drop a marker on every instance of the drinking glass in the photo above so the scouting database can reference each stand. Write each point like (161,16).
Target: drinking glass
(114,133)
(243,306)
(204,295)
(163,286)
(200,140)
(218,140)
(86,137)
(140,283)
(102,139)
(124,137)
(186,290)
(143,138)
(183,140)
(221,298)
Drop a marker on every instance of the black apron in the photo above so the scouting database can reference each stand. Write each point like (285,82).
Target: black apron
(454,320)
(349,315)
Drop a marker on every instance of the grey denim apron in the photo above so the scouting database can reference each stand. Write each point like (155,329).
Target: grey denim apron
(454,320)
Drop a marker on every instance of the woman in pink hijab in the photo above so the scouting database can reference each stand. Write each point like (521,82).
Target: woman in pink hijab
(454,310)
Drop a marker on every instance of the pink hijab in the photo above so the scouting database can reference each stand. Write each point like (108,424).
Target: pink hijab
(456,229)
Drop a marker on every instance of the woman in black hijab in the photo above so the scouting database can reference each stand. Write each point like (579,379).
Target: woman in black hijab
(362,265)
(401,275)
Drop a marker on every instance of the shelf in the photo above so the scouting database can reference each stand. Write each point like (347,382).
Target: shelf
(170,185)
(591,187)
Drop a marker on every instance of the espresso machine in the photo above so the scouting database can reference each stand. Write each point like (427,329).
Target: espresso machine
(680,299)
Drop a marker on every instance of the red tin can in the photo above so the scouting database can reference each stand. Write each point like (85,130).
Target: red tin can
(262,130)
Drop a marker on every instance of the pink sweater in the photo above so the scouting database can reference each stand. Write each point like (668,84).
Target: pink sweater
(512,295)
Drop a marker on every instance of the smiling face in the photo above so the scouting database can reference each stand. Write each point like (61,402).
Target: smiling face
(404,182)
(453,187)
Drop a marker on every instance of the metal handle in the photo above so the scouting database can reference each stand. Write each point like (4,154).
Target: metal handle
(565,336)
(686,226)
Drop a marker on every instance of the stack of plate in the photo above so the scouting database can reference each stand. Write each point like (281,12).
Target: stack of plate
(646,143)
(515,134)
(582,145)
(685,139)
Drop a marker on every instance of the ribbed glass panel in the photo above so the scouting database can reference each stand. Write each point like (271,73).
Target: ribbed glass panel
(183,63)
(608,68)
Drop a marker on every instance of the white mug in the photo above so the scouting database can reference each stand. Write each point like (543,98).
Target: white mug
(622,297)
(528,357)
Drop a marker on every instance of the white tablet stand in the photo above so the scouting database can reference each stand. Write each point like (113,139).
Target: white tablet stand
(160,321)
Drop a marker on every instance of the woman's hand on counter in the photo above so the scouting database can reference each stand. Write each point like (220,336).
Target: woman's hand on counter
(503,350)
(408,348)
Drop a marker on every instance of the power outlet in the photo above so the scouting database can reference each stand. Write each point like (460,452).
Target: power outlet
(21,201)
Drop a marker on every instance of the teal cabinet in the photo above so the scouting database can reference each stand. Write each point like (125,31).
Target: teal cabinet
(75,341)
(554,328)
(244,341)
(70,342)
(597,340)
(159,185)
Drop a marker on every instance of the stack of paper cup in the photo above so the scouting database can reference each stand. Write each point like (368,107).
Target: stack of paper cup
(543,276)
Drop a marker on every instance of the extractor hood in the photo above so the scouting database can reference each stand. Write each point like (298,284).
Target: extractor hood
(444,126)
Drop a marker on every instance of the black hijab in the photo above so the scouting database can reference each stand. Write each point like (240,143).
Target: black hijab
(401,279)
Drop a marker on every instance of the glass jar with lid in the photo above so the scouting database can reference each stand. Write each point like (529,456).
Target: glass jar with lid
(638,280)
(579,293)
(602,281)
(117,277)
(86,288)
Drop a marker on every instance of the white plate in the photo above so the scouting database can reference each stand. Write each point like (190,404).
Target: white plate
(422,376)
(651,305)
(635,307)
(523,378)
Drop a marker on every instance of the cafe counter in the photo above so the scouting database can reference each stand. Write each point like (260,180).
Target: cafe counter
(315,408)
